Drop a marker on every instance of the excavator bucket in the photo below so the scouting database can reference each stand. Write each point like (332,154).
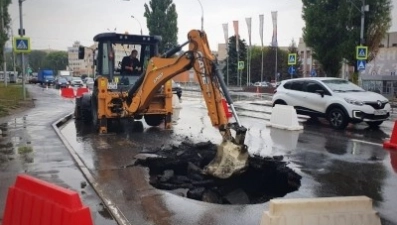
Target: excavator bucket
(231,157)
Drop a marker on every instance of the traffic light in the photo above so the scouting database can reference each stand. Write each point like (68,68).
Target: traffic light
(81,52)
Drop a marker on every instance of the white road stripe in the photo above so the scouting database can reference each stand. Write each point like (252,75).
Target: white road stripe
(367,142)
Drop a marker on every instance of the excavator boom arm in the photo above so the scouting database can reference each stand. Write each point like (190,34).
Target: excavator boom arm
(232,153)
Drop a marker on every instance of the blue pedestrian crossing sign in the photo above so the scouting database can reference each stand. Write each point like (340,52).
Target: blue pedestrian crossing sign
(292,59)
(291,70)
(361,52)
(361,65)
(21,44)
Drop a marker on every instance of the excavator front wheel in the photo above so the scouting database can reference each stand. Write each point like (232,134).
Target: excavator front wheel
(154,120)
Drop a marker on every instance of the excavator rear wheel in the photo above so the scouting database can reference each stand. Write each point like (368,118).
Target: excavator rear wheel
(154,120)
(85,108)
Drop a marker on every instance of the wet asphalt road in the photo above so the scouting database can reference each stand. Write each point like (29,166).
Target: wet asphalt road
(332,163)
(49,159)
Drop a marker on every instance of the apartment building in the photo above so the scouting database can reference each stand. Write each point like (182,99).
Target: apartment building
(79,66)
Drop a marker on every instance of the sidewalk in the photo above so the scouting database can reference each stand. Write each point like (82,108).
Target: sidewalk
(30,145)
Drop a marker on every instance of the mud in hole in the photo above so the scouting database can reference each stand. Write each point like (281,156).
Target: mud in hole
(178,170)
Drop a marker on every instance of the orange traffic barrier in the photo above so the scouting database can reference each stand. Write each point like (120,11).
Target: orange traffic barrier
(36,202)
(67,93)
(226,108)
(392,143)
(393,160)
(81,91)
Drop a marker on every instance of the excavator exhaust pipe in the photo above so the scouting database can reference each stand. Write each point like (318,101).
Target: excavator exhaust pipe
(232,154)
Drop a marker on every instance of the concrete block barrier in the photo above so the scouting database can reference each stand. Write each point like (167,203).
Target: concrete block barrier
(321,211)
(284,117)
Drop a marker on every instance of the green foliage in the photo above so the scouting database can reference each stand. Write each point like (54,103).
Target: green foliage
(4,30)
(37,60)
(269,59)
(56,60)
(232,55)
(333,29)
(161,19)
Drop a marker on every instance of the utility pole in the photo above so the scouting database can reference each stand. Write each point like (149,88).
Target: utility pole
(21,33)
(364,8)
(4,47)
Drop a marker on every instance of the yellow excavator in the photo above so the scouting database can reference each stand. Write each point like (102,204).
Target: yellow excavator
(148,92)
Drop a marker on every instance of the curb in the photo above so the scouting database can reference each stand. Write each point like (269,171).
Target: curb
(114,211)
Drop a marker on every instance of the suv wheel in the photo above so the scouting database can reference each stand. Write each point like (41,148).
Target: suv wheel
(337,118)
(279,102)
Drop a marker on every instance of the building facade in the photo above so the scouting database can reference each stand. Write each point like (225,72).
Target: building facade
(380,75)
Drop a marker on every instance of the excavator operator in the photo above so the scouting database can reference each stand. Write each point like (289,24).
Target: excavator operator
(130,65)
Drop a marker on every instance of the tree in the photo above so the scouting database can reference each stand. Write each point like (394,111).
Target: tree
(56,60)
(333,29)
(269,62)
(256,63)
(161,19)
(232,55)
(37,59)
(4,30)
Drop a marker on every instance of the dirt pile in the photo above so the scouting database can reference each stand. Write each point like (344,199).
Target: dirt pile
(178,169)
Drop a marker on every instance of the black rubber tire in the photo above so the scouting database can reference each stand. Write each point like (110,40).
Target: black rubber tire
(337,118)
(279,102)
(77,109)
(94,116)
(85,109)
(154,120)
(374,123)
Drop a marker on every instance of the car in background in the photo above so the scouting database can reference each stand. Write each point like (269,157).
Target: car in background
(338,100)
(89,82)
(77,82)
(262,84)
(61,82)
(177,89)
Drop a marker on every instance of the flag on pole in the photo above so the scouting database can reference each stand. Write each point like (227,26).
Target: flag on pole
(274,39)
(248,20)
(261,17)
(226,32)
(236,33)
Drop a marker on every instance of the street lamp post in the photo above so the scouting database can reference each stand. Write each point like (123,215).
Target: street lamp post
(364,8)
(21,33)
(138,22)
(202,15)
(4,47)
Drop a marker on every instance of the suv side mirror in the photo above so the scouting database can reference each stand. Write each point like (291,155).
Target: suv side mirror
(320,92)
(81,52)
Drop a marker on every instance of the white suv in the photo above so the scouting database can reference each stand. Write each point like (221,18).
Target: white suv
(336,99)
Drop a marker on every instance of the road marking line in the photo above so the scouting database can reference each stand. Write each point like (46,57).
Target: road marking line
(367,142)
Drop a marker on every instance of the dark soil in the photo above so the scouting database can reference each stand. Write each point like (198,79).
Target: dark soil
(178,169)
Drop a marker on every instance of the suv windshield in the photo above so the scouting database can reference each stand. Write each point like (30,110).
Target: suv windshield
(340,85)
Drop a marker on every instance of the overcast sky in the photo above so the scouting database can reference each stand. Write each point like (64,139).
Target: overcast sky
(56,24)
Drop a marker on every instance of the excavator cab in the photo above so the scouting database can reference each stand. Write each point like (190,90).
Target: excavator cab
(112,48)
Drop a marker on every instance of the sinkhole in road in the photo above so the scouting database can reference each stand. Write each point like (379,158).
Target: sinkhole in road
(178,169)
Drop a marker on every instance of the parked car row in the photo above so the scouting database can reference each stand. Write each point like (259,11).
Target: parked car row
(339,101)
(66,81)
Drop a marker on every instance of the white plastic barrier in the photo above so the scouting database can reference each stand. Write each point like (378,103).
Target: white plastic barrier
(284,117)
(176,107)
(325,211)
